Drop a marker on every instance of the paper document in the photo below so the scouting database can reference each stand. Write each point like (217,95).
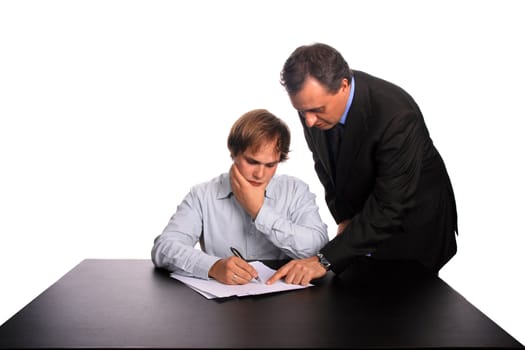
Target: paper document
(214,289)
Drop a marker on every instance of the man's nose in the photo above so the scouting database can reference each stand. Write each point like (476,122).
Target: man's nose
(258,172)
(310,118)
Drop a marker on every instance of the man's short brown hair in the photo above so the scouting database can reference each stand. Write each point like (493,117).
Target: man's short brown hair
(256,127)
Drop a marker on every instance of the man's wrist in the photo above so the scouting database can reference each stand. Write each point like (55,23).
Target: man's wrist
(324,261)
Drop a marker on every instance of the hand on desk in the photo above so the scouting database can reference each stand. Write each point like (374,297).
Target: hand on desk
(232,270)
(299,271)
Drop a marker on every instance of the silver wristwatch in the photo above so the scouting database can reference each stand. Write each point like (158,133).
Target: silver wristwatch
(324,261)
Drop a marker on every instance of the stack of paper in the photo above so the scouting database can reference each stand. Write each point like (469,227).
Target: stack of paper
(214,289)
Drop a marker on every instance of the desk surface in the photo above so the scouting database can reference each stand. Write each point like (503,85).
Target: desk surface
(130,304)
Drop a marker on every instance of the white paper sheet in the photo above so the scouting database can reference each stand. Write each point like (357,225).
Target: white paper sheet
(214,289)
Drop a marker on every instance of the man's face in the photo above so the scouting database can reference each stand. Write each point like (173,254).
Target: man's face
(258,167)
(317,106)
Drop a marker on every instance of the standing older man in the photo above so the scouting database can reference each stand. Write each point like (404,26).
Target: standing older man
(385,183)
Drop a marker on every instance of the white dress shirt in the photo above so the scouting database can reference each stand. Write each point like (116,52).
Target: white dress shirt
(288,225)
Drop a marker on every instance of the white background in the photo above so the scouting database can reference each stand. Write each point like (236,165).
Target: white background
(111,110)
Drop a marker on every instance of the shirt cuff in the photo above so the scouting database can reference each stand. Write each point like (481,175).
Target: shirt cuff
(202,268)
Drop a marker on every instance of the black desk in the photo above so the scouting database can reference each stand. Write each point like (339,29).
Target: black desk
(130,304)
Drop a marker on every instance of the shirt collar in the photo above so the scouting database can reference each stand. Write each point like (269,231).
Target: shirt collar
(224,189)
(349,102)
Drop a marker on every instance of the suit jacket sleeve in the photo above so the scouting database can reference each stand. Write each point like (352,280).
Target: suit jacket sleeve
(397,160)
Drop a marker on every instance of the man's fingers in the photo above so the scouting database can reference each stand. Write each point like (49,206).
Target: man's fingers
(244,269)
(295,272)
(236,176)
(283,271)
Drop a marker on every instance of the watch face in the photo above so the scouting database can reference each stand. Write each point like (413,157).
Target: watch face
(323,261)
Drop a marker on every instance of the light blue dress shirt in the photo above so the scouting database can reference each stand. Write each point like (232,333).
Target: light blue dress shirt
(349,102)
(288,225)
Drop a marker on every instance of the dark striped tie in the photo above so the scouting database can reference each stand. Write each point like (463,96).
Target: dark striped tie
(335,135)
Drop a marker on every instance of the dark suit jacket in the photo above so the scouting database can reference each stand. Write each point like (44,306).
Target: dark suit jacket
(389,180)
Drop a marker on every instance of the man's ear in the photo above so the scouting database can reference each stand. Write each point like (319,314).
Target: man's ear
(345,84)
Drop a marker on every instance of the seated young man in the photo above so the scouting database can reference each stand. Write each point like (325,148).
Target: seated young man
(262,215)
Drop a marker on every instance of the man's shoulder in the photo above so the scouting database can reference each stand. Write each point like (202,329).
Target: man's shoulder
(366,81)
(216,183)
(285,180)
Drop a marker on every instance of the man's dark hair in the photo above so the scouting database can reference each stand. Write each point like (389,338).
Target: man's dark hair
(320,61)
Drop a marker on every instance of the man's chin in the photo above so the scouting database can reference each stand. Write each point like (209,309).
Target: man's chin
(324,126)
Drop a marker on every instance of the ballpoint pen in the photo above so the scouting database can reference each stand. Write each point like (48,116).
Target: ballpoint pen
(239,255)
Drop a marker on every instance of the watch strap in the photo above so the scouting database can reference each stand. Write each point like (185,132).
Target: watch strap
(324,261)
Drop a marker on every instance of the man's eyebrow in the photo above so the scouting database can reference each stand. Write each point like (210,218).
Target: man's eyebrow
(251,160)
(272,163)
(255,161)
(315,109)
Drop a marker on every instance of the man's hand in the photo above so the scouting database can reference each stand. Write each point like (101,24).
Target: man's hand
(299,271)
(232,270)
(342,225)
(250,197)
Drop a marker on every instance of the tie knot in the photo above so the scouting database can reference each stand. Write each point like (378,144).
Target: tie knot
(337,132)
